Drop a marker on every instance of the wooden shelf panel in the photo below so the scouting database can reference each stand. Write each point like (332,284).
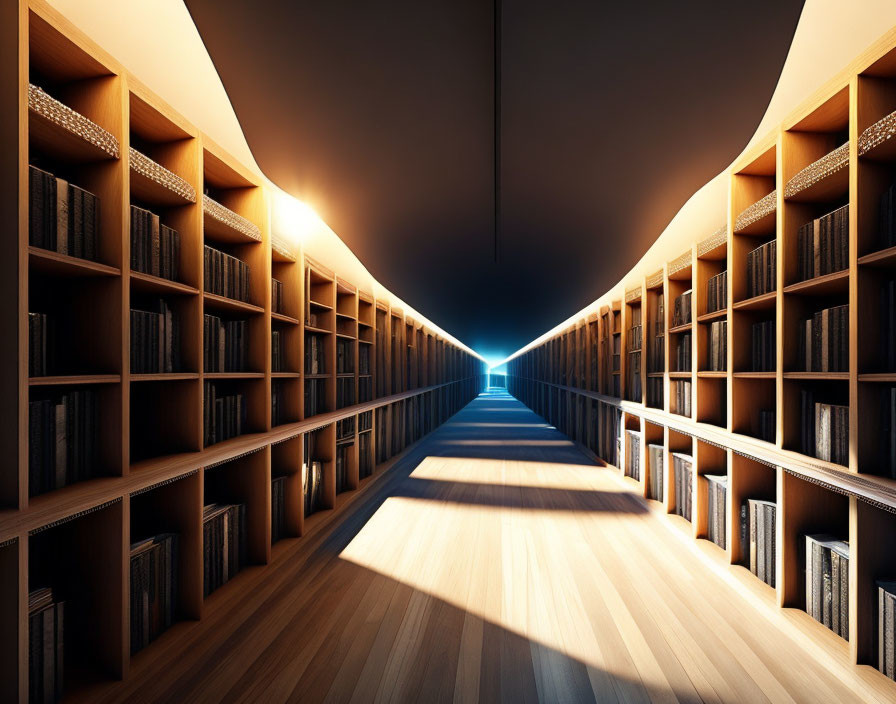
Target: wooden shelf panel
(765,301)
(216,302)
(836,282)
(280,318)
(715,315)
(171,376)
(70,380)
(885,258)
(52,138)
(147,283)
(63,265)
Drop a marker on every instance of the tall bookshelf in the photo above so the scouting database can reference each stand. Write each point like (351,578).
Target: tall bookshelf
(826,172)
(155,464)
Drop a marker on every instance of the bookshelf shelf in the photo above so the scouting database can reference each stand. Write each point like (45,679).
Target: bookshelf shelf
(280,318)
(174,376)
(765,301)
(829,284)
(55,264)
(712,375)
(54,138)
(882,258)
(686,327)
(755,375)
(679,375)
(75,379)
(214,302)
(147,283)
(715,315)
(818,376)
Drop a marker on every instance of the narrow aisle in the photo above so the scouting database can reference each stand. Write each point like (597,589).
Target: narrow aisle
(495,562)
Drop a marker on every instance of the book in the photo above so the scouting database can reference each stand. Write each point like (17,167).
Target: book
(155,339)
(46,646)
(717,292)
(278,508)
(224,413)
(682,468)
(655,471)
(633,454)
(681,309)
(827,582)
(762,269)
(153,588)
(225,275)
(716,508)
(62,217)
(886,627)
(225,543)
(823,245)
(225,344)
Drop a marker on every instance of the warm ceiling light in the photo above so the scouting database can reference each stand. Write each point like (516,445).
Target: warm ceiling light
(291,219)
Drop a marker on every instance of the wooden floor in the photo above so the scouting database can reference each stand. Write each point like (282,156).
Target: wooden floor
(495,562)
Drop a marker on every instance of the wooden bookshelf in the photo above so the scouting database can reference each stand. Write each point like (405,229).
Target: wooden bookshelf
(796,175)
(153,471)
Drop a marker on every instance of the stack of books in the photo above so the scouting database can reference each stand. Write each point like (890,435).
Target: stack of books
(681,309)
(762,270)
(314,354)
(824,429)
(683,353)
(225,551)
(38,344)
(225,416)
(155,248)
(277,351)
(763,350)
(718,346)
(155,340)
(757,538)
(153,588)
(717,292)
(656,471)
(682,475)
(225,344)
(278,508)
(62,440)
(62,217)
(823,245)
(633,454)
(345,358)
(681,397)
(716,508)
(823,341)
(276,296)
(312,486)
(827,582)
(767,425)
(46,646)
(886,628)
(225,275)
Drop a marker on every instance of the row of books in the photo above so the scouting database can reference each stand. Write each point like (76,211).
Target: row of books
(717,292)
(680,397)
(155,340)
(225,544)
(681,309)
(824,429)
(343,461)
(276,296)
(345,391)
(757,538)
(225,344)
(225,275)
(278,362)
(278,508)
(762,269)
(62,440)
(682,477)
(225,416)
(155,247)
(823,245)
(635,331)
(153,598)
(718,345)
(62,217)
(365,421)
(633,454)
(683,353)
(823,341)
(315,397)
(39,342)
(886,627)
(827,582)
(315,358)
(716,509)
(46,647)
(345,356)
(655,471)
(763,350)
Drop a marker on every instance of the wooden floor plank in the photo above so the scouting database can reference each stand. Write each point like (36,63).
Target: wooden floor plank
(494,561)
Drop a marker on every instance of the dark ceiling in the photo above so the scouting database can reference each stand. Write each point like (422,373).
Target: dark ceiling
(380,116)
